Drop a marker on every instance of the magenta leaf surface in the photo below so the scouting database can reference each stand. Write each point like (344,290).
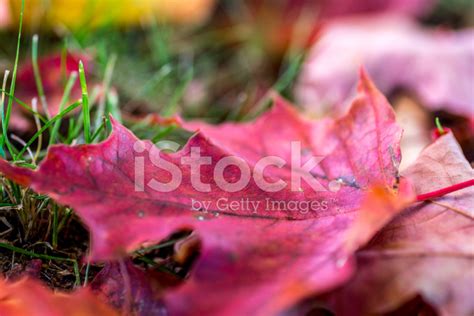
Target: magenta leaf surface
(436,66)
(278,254)
(428,250)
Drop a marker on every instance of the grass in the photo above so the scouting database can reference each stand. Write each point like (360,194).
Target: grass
(45,257)
(37,224)
(85,104)
(102,110)
(440,128)
(37,75)
(6,117)
(49,124)
(67,92)
(35,219)
(37,227)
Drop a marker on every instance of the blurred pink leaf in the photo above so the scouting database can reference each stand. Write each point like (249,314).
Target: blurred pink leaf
(29,297)
(54,72)
(333,8)
(436,66)
(5,15)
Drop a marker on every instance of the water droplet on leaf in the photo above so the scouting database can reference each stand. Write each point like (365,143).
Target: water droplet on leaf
(341,262)
(335,185)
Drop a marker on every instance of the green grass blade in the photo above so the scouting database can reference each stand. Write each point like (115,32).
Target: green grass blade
(76,129)
(26,107)
(54,238)
(46,126)
(290,74)
(67,92)
(45,257)
(109,70)
(155,80)
(113,107)
(162,133)
(283,82)
(86,274)
(6,119)
(440,128)
(100,129)
(170,108)
(33,254)
(37,75)
(2,109)
(85,104)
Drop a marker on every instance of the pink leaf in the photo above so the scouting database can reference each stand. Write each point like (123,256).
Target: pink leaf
(127,288)
(280,254)
(435,65)
(29,297)
(428,250)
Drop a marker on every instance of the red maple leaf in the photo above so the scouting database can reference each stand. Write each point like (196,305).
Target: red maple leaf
(128,288)
(253,260)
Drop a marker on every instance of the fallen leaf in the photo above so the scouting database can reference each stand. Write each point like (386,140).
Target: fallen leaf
(253,260)
(331,8)
(428,250)
(416,123)
(436,66)
(29,297)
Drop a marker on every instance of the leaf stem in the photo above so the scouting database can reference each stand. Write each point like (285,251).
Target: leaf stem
(444,191)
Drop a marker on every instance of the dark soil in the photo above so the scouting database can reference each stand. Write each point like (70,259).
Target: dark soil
(73,243)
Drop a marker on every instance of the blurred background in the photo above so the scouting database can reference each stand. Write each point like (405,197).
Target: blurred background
(219,60)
